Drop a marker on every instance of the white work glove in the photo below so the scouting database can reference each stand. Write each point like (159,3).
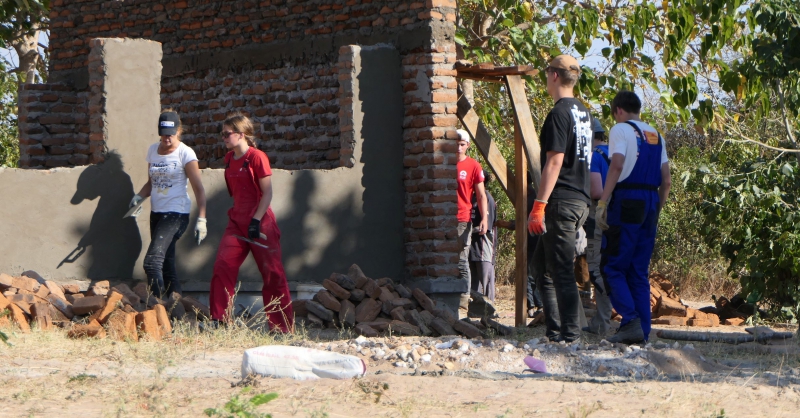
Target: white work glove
(135,201)
(601,215)
(200,230)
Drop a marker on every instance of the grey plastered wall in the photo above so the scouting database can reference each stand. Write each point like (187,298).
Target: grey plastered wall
(67,223)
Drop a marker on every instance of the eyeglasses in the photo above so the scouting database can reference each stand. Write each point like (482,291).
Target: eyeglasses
(226,134)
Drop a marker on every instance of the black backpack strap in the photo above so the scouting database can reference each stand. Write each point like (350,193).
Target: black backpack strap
(605,157)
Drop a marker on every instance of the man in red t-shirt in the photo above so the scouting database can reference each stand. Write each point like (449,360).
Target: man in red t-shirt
(470,180)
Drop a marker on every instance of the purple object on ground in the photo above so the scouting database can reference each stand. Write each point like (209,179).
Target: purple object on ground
(535,365)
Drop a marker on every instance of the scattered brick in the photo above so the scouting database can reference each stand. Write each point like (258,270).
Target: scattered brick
(88,304)
(367,310)
(55,289)
(26,283)
(670,320)
(41,314)
(734,321)
(131,297)
(71,289)
(357,276)
(193,305)
(122,326)
(19,318)
(398,314)
(335,289)
(100,288)
(424,301)
(347,314)
(467,329)
(403,328)
(441,327)
(320,311)
(62,305)
(163,319)
(6,281)
(147,323)
(86,331)
(327,300)
(366,330)
(112,303)
(356,295)
(343,280)
(699,322)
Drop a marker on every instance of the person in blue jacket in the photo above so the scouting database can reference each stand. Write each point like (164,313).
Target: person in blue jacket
(636,189)
(600,322)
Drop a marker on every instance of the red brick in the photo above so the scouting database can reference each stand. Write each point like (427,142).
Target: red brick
(41,314)
(85,331)
(327,300)
(122,326)
(112,303)
(19,318)
(670,320)
(89,304)
(147,323)
(734,321)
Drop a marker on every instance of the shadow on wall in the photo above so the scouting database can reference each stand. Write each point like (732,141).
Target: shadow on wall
(112,243)
(380,251)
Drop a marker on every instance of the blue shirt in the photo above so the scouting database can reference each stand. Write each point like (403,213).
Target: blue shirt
(600,162)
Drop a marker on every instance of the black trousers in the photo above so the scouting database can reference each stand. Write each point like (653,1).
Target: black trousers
(554,270)
(159,262)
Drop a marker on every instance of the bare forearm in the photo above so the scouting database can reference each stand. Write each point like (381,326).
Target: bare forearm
(146,189)
(611,182)
(549,177)
(200,196)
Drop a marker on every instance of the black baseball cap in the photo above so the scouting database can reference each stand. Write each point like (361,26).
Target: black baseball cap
(168,123)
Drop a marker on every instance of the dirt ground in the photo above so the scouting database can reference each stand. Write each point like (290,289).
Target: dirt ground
(46,374)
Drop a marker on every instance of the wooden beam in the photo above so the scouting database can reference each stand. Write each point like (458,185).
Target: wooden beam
(472,124)
(522,113)
(521,231)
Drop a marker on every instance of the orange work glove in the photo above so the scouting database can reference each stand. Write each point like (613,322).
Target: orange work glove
(536,218)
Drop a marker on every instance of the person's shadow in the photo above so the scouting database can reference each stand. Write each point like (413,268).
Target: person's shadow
(114,242)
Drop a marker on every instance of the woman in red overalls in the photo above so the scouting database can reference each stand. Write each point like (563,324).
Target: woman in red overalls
(249,180)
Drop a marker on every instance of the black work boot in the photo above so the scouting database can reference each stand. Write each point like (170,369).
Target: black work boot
(630,333)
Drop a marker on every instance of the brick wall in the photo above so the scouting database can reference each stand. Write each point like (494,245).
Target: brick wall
(278,61)
(54,127)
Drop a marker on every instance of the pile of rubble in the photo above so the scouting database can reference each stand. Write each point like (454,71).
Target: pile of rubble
(119,312)
(668,309)
(374,307)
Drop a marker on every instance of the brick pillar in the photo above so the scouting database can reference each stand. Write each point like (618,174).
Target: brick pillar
(430,155)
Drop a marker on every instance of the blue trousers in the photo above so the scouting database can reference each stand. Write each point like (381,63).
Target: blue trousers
(627,248)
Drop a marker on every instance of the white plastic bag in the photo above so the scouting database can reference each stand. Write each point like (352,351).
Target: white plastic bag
(300,363)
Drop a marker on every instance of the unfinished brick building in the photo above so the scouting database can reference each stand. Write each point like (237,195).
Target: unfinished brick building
(289,65)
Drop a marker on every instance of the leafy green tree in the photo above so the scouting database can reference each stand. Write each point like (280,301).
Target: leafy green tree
(21,22)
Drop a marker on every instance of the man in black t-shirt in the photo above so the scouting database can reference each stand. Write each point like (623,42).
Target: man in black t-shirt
(562,202)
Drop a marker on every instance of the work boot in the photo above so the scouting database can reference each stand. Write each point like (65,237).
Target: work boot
(630,333)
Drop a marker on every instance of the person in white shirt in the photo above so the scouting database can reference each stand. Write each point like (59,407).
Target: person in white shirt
(637,186)
(171,165)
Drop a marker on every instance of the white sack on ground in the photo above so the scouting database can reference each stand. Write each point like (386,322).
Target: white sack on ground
(300,363)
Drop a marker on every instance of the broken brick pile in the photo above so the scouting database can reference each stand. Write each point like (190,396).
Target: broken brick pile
(118,312)
(374,307)
(668,309)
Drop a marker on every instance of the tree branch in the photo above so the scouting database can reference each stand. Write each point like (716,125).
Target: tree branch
(786,122)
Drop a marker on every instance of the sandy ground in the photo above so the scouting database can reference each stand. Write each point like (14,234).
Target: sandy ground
(46,374)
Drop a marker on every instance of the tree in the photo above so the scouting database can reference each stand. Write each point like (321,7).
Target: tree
(21,22)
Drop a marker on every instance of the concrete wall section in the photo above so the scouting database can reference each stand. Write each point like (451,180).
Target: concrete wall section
(67,223)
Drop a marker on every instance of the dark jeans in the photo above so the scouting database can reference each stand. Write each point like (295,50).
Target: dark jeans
(556,253)
(483,278)
(159,262)
(464,239)
(534,296)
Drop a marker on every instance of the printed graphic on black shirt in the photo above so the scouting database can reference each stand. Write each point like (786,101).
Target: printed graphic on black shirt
(583,133)
(568,130)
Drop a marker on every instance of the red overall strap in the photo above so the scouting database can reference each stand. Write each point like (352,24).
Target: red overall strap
(248,163)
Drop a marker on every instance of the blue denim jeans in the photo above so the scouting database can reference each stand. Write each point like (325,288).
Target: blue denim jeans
(159,262)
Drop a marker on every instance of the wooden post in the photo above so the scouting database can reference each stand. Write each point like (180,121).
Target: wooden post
(521,231)
(487,147)
(524,124)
